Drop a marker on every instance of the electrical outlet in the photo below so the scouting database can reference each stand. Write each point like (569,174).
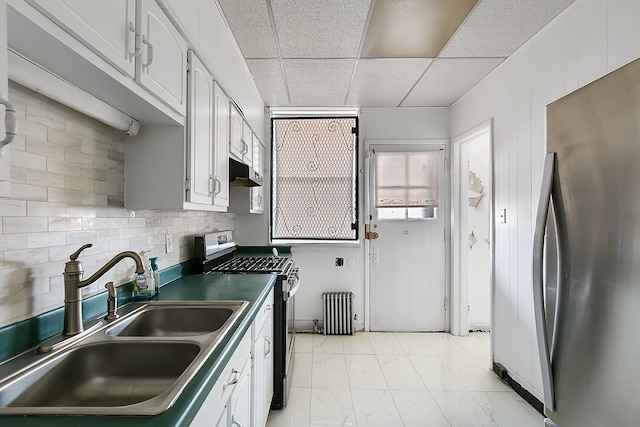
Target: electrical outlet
(168,241)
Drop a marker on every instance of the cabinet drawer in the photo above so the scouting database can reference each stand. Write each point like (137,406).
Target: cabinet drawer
(266,310)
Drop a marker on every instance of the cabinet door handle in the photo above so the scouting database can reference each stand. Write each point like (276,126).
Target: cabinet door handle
(149,52)
(235,423)
(267,345)
(217,187)
(235,376)
(211,185)
(10,123)
(136,50)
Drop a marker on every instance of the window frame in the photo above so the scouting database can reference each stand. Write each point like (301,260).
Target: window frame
(323,115)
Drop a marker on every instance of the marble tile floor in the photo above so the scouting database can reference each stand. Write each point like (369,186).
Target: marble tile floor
(399,379)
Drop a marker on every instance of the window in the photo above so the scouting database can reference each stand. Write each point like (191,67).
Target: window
(314,179)
(406,184)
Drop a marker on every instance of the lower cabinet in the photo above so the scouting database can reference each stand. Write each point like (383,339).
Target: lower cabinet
(229,394)
(242,395)
(262,355)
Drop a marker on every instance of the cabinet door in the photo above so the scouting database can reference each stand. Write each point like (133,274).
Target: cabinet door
(236,144)
(200,131)
(162,65)
(257,193)
(106,27)
(241,399)
(247,144)
(4,95)
(221,147)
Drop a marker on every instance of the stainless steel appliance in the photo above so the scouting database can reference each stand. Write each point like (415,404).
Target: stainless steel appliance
(587,255)
(217,252)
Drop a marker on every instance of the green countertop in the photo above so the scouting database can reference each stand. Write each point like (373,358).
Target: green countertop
(198,287)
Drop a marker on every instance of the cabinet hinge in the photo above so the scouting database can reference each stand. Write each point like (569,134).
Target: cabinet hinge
(187,185)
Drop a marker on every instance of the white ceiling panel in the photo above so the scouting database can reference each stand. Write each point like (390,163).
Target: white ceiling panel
(320,29)
(446,80)
(384,82)
(251,25)
(267,74)
(316,82)
(496,28)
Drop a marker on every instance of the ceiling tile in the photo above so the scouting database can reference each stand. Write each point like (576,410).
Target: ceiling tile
(267,74)
(320,29)
(251,25)
(316,82)
(384,82)
(496,28)
(446,80)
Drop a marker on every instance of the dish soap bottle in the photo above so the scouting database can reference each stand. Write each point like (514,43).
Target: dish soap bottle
(143,285)
(156,275)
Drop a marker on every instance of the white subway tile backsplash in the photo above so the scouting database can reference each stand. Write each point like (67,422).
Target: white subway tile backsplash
(44,179)
(12,242)
(27,160)
(44,148)
(23,224)
(44,240)
(10,207)
(67,189)
(35,208)
(65,224)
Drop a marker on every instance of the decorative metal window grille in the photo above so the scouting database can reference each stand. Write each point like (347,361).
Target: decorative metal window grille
(314,178)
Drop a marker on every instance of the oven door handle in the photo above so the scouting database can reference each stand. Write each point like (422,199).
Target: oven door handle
(292,291)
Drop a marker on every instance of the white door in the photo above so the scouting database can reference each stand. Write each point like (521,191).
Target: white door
(472,260)
(407,208)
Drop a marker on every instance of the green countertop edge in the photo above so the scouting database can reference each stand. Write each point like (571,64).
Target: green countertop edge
(187,405)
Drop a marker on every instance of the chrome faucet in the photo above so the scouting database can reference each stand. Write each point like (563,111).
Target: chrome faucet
(73,282)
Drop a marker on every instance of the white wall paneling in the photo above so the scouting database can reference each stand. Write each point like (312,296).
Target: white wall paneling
(587,40)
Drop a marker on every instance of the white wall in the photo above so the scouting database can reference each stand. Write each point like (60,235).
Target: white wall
(586,41)
(317,262)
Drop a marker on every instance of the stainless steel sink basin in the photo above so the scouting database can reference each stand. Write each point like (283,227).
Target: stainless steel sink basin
(170,321)
(103,374)
(136,365)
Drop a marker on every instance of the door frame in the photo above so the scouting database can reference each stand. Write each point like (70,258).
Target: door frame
(460,294)
(446,212)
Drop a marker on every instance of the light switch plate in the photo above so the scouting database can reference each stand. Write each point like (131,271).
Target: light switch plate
(502,216)
(168,240)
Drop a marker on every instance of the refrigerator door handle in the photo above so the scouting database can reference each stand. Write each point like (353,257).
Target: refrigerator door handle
(538,285)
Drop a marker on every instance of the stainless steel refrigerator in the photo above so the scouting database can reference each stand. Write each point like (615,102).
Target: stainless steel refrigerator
(587,255)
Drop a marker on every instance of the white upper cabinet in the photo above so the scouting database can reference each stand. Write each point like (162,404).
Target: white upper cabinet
(247,142)
(200,133)
(208,133)
(163,59)
(107,27)
(236,142)
(257,193)
(221,132)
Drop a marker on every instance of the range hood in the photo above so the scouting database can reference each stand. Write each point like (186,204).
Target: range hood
(242,175)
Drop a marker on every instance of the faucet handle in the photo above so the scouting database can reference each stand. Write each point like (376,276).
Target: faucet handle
(74,256)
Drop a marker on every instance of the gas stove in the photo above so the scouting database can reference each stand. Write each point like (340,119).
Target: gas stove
(240,264)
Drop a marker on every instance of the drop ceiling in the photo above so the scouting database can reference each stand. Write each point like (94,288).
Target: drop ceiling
(376,53)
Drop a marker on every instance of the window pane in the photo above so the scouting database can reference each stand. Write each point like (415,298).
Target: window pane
(406,179)
(314,179)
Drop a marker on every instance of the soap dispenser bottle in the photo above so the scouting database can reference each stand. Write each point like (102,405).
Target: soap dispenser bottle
(143,285)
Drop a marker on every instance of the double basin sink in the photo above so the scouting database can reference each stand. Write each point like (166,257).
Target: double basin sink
(136,365)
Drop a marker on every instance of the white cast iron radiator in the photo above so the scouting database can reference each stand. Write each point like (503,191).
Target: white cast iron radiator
(337,309)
